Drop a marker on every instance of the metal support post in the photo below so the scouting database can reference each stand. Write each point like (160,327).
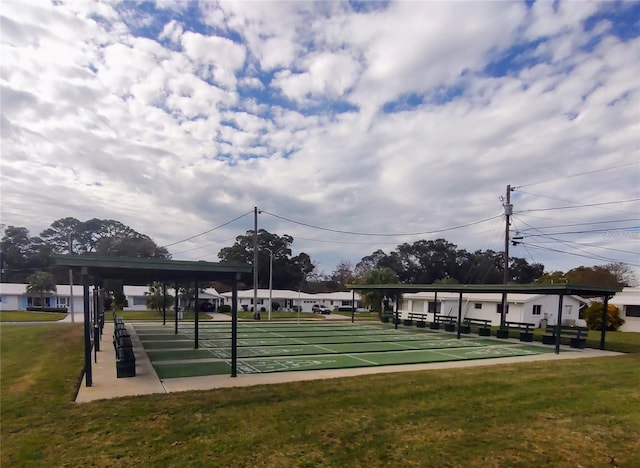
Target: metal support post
(234,326)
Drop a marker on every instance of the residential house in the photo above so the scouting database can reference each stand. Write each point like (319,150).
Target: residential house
(292,300)
(528,308)
(628,301)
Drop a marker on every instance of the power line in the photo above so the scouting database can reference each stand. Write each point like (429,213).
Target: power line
(579,206)
(577,175)
(545,234)
(597,257)
(534,246)
(208,231)
(585,224)
(378,234)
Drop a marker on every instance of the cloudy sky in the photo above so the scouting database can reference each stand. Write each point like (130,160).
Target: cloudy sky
(352,126)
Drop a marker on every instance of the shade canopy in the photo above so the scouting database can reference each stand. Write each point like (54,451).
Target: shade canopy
(146,270)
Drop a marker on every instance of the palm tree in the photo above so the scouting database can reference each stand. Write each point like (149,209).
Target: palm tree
(155,297)
(376,298)
(41,283)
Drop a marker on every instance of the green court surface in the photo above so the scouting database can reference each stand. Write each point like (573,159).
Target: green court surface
(284,347)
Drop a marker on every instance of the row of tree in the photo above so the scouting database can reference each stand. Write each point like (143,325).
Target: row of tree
(22,254)
(421,262)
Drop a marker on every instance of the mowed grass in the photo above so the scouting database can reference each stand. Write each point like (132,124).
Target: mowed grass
(28,316)
(561,413)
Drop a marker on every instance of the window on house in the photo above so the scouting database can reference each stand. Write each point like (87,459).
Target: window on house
(139,300)
(435,307)
(568,310)
(36,301)
(499,308)
(477,305)
(417,306)
(632,310)
(537,309)
(346,303)
(63,301)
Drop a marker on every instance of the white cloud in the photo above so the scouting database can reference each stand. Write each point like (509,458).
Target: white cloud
(222,55)
(239,112)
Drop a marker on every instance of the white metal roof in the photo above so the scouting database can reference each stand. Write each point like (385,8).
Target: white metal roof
(19,289)
(628,296)
(294,295)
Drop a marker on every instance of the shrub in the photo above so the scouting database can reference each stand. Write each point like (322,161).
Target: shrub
(593,316)
(275,306)
(224,309)
(263,309)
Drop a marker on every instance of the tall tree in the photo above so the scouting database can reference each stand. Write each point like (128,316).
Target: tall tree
(41,283)
(343,274)
(21,254)
(288,272)
(612,275)
(380,299)
(58,235)
(523,272)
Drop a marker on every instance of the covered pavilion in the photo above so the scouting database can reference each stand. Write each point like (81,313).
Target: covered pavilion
(561,290)
(142,271)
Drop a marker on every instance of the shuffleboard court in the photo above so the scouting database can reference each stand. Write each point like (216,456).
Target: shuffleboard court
(285,347)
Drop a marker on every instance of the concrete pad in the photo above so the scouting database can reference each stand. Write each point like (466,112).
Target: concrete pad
(107,385)
(105,381)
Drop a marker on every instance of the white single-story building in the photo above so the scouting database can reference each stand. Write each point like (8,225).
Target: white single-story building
(291,300)
(136,299)
(628,301)
(14,296)
(528,308)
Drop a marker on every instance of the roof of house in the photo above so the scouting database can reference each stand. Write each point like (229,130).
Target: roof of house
(20,289)
(628,296)
(290,294)
(557,288)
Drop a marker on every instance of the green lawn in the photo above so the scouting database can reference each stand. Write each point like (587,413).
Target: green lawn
(561,413)
(27,316)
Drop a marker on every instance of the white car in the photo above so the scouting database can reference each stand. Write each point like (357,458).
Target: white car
(320,309)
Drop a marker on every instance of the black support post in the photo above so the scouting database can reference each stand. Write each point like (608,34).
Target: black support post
(196,309)
(164,303)
(96,329)
(559,323)
(603,330)
(353,305)
(459,313)
(396,316)
(176,318)
(87,331)
(234,326)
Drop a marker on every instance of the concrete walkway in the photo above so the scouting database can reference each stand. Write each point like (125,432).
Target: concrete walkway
(107,385)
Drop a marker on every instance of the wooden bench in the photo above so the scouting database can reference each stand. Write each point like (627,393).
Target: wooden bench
(483,325)
(420,318)
(526,330)
(577,335)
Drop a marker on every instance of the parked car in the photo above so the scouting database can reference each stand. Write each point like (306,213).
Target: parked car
(206,306)
(320,309)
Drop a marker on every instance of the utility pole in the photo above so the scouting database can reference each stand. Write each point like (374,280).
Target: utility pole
(255,262)
(73,319)
(508,211)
